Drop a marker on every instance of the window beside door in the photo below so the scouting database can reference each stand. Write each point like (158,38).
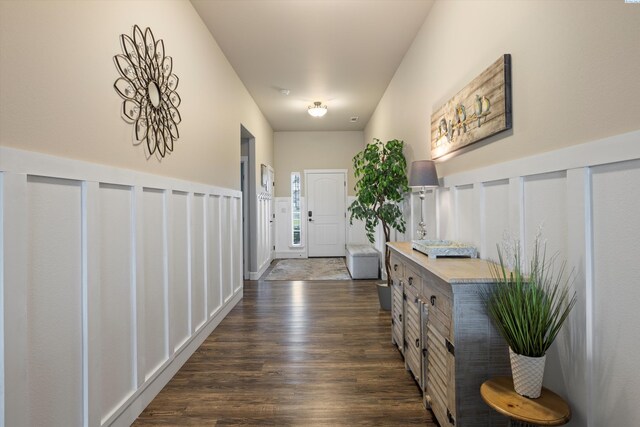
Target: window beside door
(296,215)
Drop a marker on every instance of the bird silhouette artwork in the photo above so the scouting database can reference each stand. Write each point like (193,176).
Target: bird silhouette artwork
(481,107)
(442,128)
(461,118)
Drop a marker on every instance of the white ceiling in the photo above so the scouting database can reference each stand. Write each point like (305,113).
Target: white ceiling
(341,52)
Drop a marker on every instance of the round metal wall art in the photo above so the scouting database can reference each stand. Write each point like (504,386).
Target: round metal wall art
(148,87)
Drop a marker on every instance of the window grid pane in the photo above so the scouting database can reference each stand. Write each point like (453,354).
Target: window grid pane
(295,209)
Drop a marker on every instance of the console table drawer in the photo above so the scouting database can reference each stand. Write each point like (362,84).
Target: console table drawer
(397,267)
(413,279)
(439,311)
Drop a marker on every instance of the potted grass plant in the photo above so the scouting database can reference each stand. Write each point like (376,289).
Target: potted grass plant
(529,305)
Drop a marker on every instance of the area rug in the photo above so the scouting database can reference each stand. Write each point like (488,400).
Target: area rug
(309,269)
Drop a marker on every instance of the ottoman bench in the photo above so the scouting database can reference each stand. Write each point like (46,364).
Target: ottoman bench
(363,261)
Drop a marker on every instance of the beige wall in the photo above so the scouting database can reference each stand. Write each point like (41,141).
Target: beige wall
(297,151)
(57,97)
(575,75)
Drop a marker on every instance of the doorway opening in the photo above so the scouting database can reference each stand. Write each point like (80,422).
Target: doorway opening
(247,186)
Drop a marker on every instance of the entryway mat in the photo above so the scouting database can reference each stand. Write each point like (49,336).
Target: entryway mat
(309,269)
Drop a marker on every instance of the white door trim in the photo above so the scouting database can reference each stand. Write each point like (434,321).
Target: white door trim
(272,210)
(244,161)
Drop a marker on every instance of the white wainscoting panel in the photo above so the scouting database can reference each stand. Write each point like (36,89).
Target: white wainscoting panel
(198,256)
(545,210)
(214,270)
(466,215)
(406,209)
(117,299)
(356,233)
(445,215)
(283,219)
(236,235)
(54,301)
(225,249)
(113,280)
(179,283)
(586,198)
(616,246)
(156,322)
(495,215)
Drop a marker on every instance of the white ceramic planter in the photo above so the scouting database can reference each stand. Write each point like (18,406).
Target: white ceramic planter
(527,374)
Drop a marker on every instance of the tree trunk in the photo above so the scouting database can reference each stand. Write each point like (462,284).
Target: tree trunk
(387,252)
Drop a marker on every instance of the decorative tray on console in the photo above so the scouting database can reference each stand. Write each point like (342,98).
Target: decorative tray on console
(444,248)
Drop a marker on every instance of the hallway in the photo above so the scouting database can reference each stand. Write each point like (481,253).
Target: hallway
(295,353)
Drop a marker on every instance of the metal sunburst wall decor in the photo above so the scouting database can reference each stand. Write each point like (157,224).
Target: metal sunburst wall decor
(148,87)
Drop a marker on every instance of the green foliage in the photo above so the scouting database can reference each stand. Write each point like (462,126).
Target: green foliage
(529,310)
(380,171)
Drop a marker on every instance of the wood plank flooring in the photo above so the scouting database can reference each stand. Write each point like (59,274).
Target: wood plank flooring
(295,353)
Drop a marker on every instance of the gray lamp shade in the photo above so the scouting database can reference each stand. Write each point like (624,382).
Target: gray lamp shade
(423,174)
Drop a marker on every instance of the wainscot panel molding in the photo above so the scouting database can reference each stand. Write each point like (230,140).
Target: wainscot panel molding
(283,229)
(262,236)
(585,198)
(109,280)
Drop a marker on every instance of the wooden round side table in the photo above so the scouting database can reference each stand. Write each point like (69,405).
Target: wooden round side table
(547,410)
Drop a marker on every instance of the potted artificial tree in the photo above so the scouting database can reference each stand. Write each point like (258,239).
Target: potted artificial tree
(528,308)
(381,183)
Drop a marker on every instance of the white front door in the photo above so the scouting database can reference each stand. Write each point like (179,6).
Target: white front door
(326,205)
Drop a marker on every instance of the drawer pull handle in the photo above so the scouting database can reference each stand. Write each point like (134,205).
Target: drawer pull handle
(395,267)
(450,347)
(433,300)
(417,342)
(400,317)
(450,417)
(411,281)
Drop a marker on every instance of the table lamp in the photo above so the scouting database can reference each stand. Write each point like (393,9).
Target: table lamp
(423,175)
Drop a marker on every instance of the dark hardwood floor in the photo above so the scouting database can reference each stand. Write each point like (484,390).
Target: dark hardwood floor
(295,353)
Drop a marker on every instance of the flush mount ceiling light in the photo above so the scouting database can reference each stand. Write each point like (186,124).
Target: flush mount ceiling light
(317,109)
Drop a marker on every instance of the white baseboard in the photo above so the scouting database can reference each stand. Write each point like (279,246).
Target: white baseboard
(255,275)
(285,255)
(139,401)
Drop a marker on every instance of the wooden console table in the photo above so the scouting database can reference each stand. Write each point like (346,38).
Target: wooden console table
(440,326)
(547,410)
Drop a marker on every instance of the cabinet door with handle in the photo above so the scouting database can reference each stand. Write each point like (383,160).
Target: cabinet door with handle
(413,353)
(397,314)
